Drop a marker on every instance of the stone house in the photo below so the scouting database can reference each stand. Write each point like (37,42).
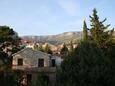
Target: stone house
(33,62)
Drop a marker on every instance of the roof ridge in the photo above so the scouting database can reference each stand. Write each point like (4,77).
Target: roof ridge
(31,50)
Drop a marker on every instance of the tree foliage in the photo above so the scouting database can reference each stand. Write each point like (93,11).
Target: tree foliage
(86,67)
(42,80)
(8,78)
(99,32)
(92,62)
(64,50)
(71,46)
(47,49)
(7,34)
(8,37)
(101,35)
(40,48)
(9,42)
(85,32)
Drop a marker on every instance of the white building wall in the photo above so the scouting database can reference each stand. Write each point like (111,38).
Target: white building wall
(30,59)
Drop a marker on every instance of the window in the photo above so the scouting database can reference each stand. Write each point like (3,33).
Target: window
(20,62)
(53,63)
(40,62)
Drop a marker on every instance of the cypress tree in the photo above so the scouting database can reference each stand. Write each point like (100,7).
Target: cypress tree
(47,49)
(85,33)
(40,48)
(64,50)
(71,46)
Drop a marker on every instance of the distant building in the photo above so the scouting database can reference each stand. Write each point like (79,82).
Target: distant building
(30,45)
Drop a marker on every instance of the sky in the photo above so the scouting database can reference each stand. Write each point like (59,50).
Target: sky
(49,17)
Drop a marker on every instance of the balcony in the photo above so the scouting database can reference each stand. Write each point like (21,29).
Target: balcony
(34,69)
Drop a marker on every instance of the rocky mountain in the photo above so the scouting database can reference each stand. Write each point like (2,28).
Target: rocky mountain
(55,39)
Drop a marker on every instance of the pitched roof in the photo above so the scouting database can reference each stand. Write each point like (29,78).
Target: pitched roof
(28,52)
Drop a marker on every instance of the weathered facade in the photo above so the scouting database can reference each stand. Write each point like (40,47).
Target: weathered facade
(33,62)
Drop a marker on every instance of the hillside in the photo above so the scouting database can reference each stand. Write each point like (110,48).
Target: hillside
(55,39)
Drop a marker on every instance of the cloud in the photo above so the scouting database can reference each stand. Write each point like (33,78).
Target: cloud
(69,6)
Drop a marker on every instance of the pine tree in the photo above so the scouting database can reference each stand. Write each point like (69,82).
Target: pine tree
(99,32)
(95,26)
(85,33)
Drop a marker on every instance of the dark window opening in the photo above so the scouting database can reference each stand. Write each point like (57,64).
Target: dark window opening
(29,78)
(20,62)
(53,63)
(40,62)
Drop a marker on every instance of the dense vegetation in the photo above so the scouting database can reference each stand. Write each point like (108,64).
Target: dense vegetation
(9,42)
(92,62)
(42,80)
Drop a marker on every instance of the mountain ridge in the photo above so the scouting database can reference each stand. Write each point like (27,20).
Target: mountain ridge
(55,39)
